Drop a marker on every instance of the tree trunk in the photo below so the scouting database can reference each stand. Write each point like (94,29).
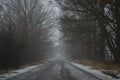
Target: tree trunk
(117,17)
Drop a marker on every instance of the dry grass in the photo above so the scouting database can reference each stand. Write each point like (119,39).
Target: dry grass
(107,68)
(2,71)
(96,65)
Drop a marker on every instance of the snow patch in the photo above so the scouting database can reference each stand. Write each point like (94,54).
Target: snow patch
(94,72)
(14,73)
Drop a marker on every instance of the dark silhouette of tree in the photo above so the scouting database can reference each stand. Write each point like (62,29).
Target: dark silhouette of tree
(23,37)
(105,34)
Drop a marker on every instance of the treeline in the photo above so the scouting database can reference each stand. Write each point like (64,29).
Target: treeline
(23,32)
(92,29)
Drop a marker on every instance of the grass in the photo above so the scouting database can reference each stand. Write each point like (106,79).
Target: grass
(107,68)
(98,65)
(2,71)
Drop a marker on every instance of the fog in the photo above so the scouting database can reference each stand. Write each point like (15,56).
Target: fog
(56,34)
(83,31)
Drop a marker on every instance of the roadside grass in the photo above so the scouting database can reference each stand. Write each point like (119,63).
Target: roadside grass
(99,65)
(2,71)
(110,69)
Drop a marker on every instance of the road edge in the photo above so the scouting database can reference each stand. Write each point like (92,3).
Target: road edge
(99,75)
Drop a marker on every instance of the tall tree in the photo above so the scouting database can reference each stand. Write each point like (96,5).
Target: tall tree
(23,36)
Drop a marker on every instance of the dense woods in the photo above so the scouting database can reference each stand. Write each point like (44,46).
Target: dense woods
(92,29)
(89,29)
(23,38)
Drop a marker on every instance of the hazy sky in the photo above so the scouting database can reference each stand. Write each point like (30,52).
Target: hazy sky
(56,34)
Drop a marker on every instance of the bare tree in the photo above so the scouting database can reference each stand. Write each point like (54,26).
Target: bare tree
(23,35)
(106,14)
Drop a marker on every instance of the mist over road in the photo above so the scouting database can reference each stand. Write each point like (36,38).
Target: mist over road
(55,70)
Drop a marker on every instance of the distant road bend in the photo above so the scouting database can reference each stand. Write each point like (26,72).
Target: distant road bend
(55,70)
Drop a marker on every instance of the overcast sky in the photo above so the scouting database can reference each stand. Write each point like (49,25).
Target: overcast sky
(56,34)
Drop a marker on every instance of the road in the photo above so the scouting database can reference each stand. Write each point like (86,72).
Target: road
(55,70)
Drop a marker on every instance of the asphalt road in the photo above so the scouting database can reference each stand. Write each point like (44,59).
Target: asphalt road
(56,70)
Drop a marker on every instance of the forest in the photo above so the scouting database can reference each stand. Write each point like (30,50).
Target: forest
(90,30)
(23,39)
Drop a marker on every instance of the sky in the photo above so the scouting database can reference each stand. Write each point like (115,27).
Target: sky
(58,44)
(55,32)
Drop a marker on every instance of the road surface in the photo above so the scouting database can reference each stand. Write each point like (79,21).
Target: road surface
(56,70)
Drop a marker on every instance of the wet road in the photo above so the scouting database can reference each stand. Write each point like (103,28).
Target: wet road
(56,70)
